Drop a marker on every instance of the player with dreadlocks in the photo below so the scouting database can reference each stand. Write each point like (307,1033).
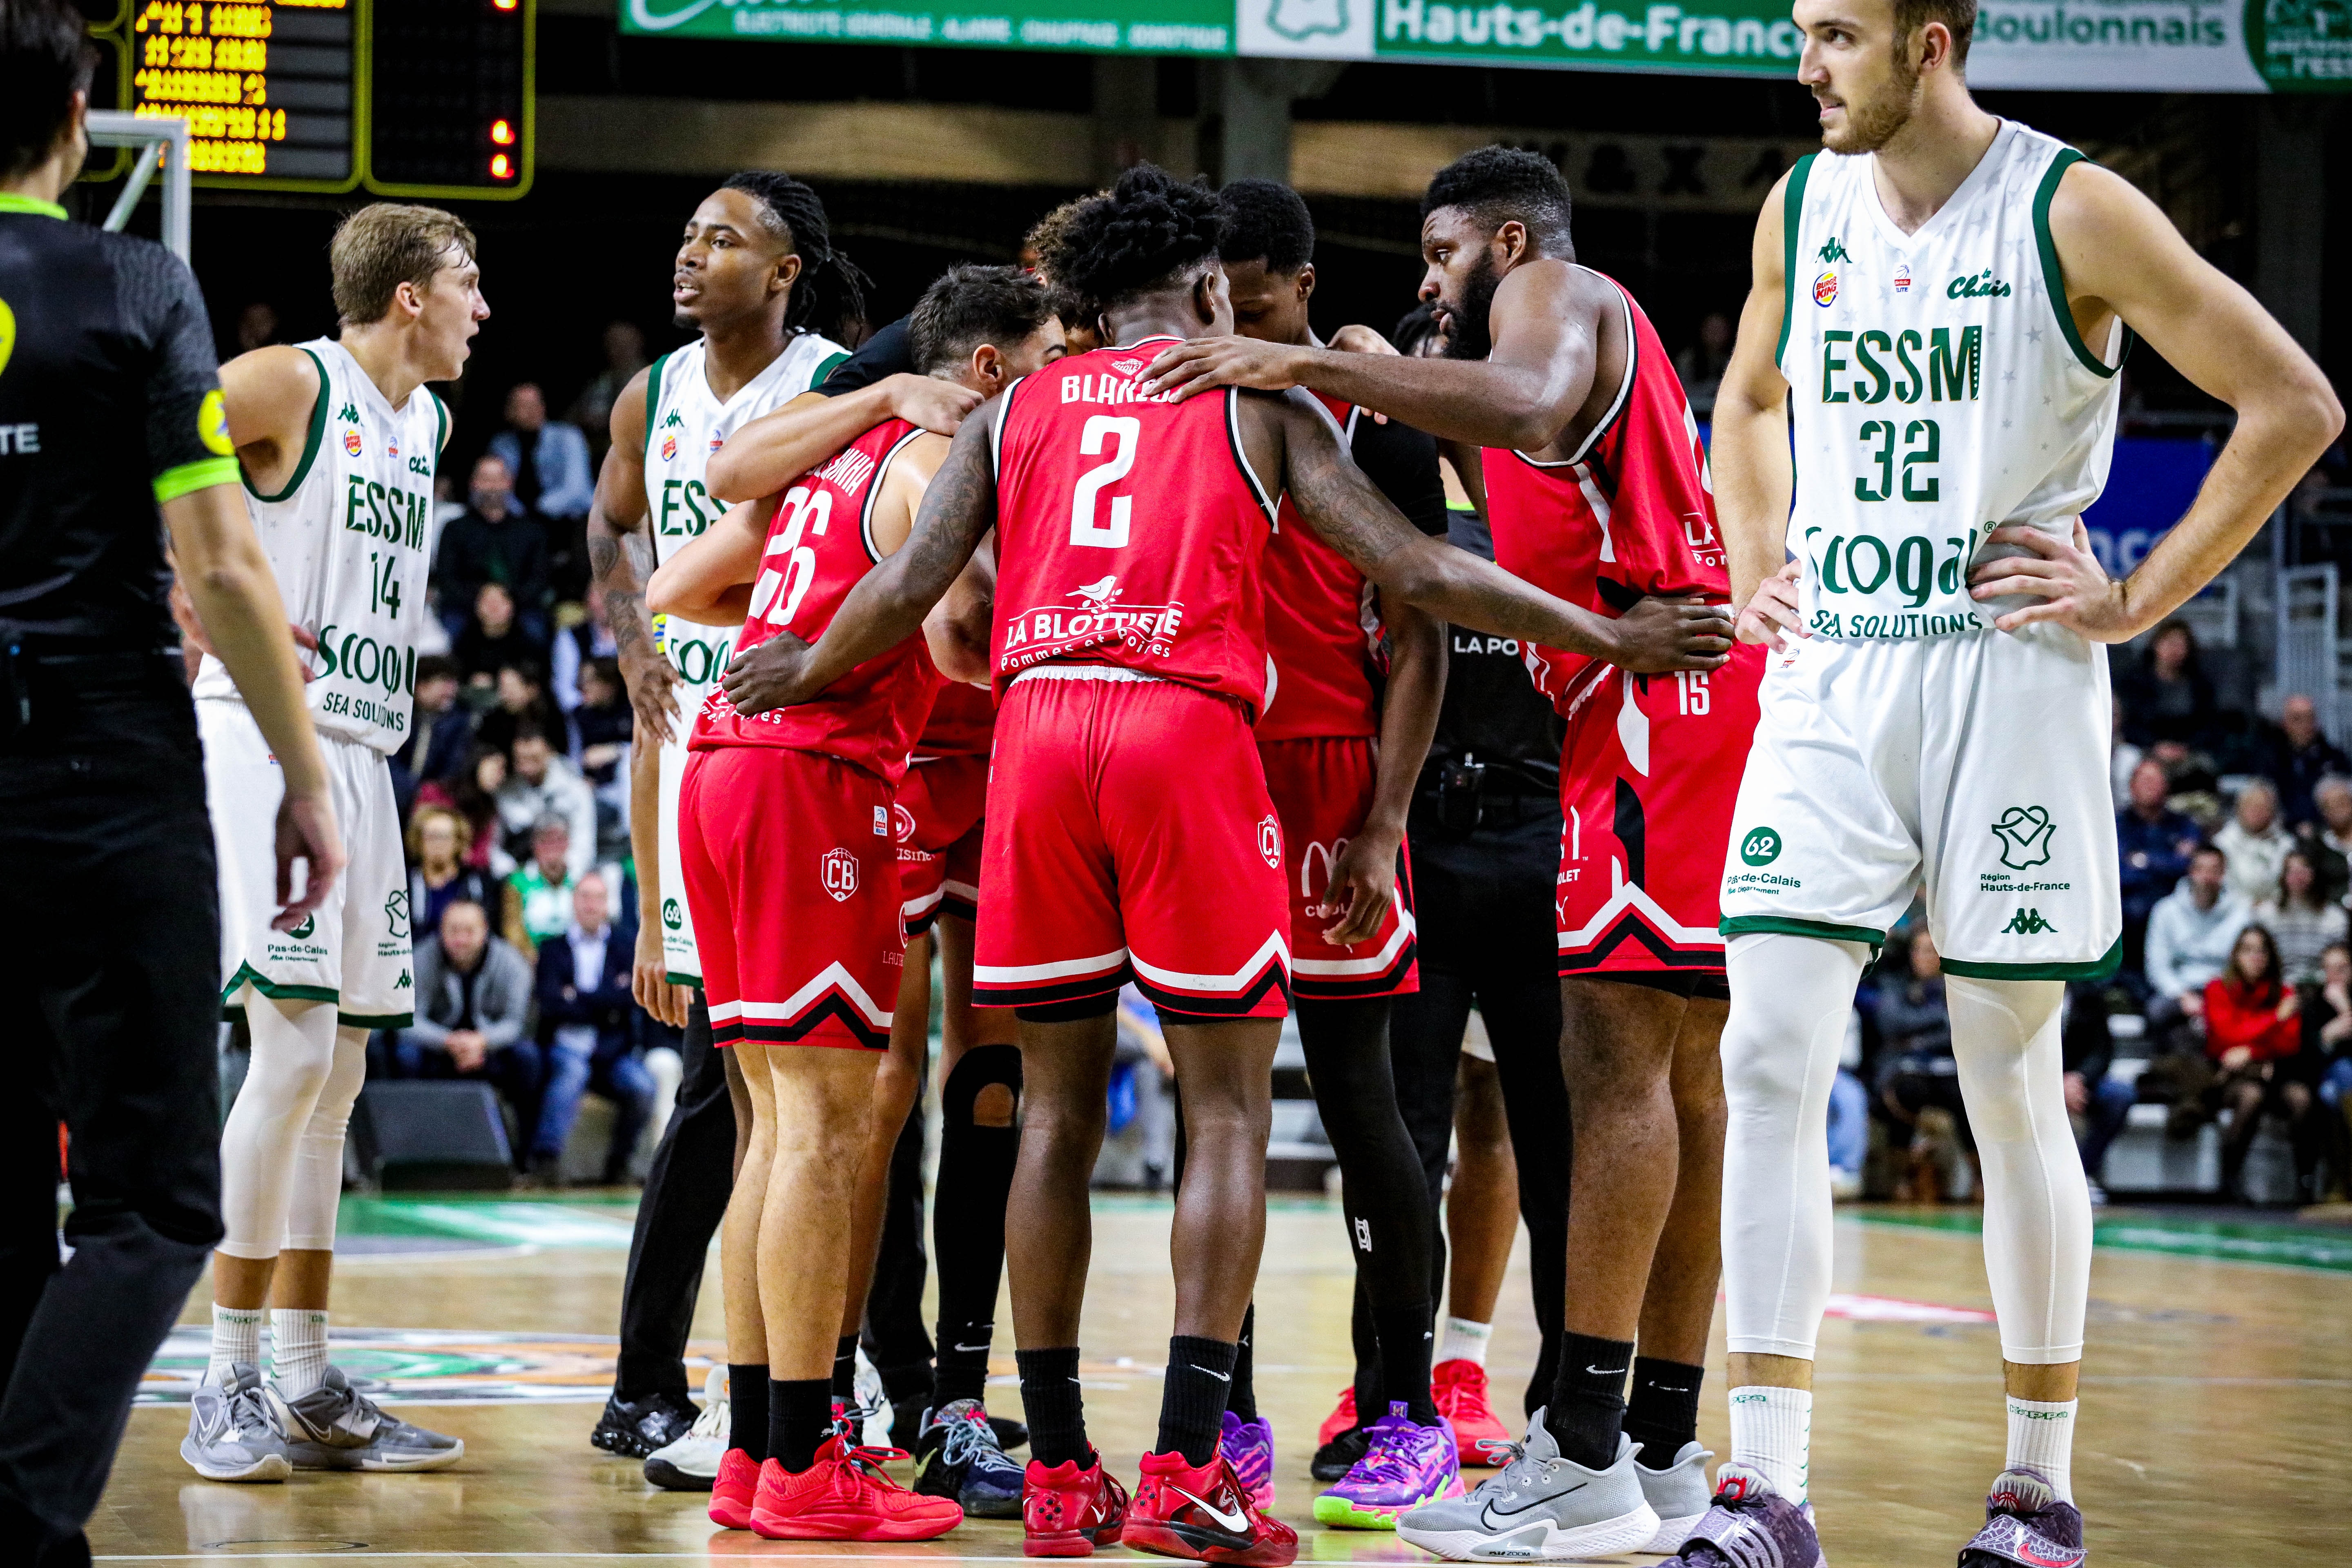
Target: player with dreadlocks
(1129,651)
(756,272)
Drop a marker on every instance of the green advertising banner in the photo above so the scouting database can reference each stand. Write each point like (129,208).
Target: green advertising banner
(2125,46)
(1095,26)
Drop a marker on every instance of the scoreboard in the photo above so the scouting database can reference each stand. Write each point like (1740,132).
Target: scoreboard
(429,98)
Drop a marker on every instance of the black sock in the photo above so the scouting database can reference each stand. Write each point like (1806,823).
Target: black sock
(747,1409)
(1406,1346)
(967,1215)
(1365,1340)
(1588,1399)
(844,1370)
(800,1418)
(913,1381)
(1243,1400)
(1051,1403)
(1192,1399)
(1663,1413)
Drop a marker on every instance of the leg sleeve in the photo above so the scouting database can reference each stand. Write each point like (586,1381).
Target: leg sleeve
(262,1147)
(2037,1231)
(318,1187)
(1789,999)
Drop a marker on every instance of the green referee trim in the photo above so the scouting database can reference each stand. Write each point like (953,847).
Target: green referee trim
(374,1020)
(2097,969)
(245,974)
(201,475)
(1793,212)
(10,202)
(1784,925)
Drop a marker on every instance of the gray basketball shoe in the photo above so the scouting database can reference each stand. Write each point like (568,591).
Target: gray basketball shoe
(691,1464)
(233,1433)
(1539,1508)
(1679,1495)
(336,1427)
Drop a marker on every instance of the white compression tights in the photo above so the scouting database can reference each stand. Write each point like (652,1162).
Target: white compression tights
(282,1151)
(1789,995)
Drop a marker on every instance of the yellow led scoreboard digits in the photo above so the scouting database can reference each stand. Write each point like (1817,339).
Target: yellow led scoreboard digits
(270,87)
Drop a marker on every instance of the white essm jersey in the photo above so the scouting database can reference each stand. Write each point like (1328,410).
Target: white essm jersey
(351,541)
(1939,387)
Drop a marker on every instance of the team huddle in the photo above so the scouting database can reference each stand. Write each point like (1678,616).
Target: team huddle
(1085,630)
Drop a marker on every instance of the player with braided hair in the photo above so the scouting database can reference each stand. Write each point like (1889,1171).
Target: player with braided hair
(830,292)
(1127,649)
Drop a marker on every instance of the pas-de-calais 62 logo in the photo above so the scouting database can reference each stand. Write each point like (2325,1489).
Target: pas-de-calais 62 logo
(839,870)
(1270,842)
(2024,833)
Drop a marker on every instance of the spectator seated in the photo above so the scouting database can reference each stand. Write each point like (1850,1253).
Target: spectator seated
(588,1031)
(473,999)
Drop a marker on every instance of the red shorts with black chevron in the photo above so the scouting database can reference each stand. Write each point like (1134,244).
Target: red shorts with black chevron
(1322,790)
(1129,836)
(1648,777)
(936,821)
(793,879)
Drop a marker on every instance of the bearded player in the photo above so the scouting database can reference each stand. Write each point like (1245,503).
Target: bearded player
(757,275)
(1931,341)
(1130,654)
(1597,489)
(337,439)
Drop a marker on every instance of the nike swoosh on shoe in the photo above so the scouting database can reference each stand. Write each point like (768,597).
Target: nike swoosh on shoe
(1236,1520)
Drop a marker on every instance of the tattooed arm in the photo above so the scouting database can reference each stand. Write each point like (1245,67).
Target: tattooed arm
(890,603)
(1292,436)
(620,561)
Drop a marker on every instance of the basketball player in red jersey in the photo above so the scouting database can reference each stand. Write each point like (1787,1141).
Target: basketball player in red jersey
(1342,758)
(792,873)
(1129,832)
(1599,491)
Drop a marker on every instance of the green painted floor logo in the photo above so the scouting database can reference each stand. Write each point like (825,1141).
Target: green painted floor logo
(434,1367)
(2328,1249)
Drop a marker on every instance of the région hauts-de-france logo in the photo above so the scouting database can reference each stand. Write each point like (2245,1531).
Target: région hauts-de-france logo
(1301,19)
(2024,833)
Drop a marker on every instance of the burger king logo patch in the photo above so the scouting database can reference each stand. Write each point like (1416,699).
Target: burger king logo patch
(669,448)
(1826,289)
(351,442)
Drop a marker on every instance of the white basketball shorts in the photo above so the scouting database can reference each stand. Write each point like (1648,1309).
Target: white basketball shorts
(1976,764)
(355,951)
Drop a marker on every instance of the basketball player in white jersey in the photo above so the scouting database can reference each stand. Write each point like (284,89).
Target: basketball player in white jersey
(1941,300)
(757,275)
(338,439)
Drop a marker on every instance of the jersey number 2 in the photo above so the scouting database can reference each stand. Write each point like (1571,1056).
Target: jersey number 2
(1124,433)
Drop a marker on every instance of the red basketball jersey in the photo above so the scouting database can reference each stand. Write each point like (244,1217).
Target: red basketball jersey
(1322,628)
(962,723)
(1129,529)
(820,542)
(1631,514)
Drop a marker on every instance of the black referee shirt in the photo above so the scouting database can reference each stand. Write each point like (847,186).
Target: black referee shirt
(109,406)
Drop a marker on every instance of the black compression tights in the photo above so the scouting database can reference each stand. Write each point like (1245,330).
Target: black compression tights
(1390,1221)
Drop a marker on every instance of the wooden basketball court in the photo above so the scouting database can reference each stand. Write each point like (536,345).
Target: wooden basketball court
(2216,1424)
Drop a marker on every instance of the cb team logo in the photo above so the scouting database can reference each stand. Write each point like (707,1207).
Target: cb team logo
(1269,841)
(837,869)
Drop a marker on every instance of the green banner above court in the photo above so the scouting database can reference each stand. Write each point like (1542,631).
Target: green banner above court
(2120,46)
(1091,26)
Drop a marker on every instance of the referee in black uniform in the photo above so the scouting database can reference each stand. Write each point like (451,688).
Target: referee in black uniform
(111,433)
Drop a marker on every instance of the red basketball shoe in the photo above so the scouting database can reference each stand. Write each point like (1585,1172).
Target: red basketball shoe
(1342,1419)
(1458,1388)
(733,1491)
(1067,1512)
(846,1496)
(1204,1514)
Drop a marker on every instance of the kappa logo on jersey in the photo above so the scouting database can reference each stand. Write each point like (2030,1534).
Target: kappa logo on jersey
(669,448)
(1826,289)
(1034,635)
(837,869)
(1270,842)
(2024,834)
(673,915)
(1832,251)
(351,442)
(2026,922)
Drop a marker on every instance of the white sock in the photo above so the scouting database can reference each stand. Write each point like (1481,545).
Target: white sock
(237,1337)
(1772,1431)
(298,1349)
(1465,1341)
(2042,1438)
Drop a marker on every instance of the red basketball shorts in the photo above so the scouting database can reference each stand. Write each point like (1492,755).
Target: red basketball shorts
(936,824)
(1648,778)
(1129,836)
(793,884)
(1322,790)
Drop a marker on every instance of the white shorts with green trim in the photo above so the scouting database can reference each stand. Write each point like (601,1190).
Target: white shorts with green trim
(1976,764)
(680,958)
(355,951)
